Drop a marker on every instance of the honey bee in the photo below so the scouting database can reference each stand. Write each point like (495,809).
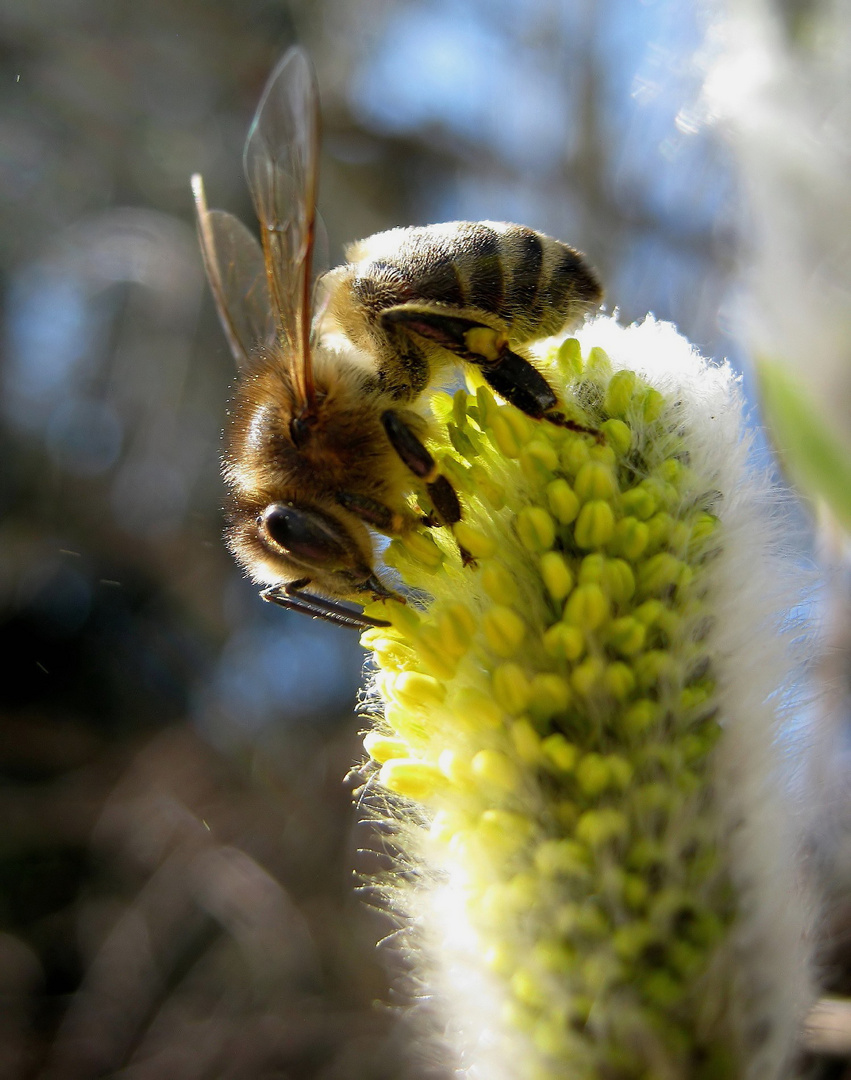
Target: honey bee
(325,435)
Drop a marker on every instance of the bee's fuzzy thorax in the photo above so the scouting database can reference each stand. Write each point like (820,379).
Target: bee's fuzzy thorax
(577,737)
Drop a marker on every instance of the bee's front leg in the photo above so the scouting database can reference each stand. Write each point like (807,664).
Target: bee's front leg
(290,595)
(376,514)
(417,458)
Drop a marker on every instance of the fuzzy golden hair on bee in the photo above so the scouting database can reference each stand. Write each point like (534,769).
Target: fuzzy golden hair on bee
(327,436)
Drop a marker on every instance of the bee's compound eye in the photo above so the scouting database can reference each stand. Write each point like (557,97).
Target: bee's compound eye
(303,533)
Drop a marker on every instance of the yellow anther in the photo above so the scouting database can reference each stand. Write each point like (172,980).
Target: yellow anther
(446,824)
(391,653)
(383,748)
(630,538)
(592,569)
(659,574)
(587,607)
(480,545)
(626,635)
(639,717)
(550,695)
(538,459)
(631,940)
(485,404)
(562,754)
(556,575)
(619,680)
(511,688)
(620,392)
(476,708)
(524,427)
(618,435)
(574,453)
(411,778)
(593,775)
(526,742)
(420,546)
(564,642)
(659,528)
(635,891)
(460,400)
(536,529)
(654,668)
(598,366)
(585,677)
(415,690)
(569,358)
(456,472)
(499,584)
(562,501)
(640,502)
(496,769)
(504,437)
(653,404)
(504,630)
(458,627)
(432,655)
(595,524)
(595,481)
(528,989)
(455,766)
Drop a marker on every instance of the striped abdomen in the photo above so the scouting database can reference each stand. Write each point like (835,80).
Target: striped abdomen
(535,285)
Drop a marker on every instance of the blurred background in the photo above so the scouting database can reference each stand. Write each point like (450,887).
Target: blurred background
(178,840)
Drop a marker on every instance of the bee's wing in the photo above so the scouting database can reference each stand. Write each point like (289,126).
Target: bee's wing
(281,157)
(234,264)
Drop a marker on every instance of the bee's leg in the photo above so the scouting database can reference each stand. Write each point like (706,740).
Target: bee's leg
(416,457)
(375,513)
(290,596)
(513,377)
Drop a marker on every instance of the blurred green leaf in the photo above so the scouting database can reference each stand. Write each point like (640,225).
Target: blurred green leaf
(815,458)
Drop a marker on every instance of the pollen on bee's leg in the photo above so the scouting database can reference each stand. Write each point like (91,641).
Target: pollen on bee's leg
(485,343)
(410,449)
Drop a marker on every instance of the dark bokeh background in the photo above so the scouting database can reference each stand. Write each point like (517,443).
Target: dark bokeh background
(177,846)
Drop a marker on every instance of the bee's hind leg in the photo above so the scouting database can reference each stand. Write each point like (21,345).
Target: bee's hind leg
(413,454)
(512,376)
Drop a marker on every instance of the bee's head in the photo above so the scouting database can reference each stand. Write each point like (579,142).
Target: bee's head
(287,541)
